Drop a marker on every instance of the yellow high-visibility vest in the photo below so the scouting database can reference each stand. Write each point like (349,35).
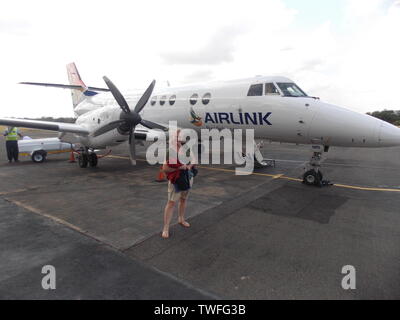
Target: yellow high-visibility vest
(12,135)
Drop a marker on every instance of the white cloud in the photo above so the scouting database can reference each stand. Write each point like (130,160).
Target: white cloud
(180,41)
(14,27)
(220,48)
(364,72)
(199,76)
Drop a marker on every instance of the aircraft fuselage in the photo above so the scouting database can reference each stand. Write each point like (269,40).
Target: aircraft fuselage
(276,117)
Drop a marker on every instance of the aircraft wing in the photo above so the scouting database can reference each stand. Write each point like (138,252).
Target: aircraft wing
(45,125)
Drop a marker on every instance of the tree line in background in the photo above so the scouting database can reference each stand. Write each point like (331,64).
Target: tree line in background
(391,116)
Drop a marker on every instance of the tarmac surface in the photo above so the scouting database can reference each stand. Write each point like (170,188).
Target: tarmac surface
(264,236)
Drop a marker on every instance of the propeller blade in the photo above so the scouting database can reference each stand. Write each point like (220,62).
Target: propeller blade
(152,125)
(108,127)
(145,97)
(117,95)
(132,146)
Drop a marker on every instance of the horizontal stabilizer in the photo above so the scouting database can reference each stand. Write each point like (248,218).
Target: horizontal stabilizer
(65,86)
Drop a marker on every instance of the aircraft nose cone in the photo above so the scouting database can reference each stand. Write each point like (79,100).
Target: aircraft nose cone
(389,135)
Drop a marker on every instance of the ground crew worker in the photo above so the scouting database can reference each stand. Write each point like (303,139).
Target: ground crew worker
(12,134)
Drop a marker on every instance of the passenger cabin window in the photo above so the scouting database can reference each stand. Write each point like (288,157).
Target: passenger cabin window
(270,89)
(153,100)
(162,100)
(172,100)
(291,90)
(255,90)
(193,99)
(206,98)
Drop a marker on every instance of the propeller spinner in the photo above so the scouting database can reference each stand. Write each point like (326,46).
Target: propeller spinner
(129,119)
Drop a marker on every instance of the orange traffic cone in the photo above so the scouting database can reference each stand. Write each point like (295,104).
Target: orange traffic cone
(161,176)
(71,157)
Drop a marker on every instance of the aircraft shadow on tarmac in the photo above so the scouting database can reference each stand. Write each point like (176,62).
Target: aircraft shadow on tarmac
(299,202)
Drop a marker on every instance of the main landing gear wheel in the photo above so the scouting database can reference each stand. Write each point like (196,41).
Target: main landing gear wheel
(312,177)
(92,160)
(83,160)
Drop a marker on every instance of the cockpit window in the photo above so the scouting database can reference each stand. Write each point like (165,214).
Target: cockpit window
(255,90)
(270,89)
(291,90)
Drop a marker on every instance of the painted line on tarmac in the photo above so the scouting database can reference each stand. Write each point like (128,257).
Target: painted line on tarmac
(365,188)
(39,212)
(59,221)
(282,176)
(121,157)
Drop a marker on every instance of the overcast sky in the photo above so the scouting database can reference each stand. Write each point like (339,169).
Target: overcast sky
(345,51)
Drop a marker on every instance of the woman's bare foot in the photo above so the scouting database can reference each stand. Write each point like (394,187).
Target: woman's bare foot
(184,224)
(165,234)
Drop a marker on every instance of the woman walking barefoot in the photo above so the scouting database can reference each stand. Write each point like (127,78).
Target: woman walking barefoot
(174,168)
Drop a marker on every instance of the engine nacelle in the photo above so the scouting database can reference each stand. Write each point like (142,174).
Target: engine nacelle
(150,136)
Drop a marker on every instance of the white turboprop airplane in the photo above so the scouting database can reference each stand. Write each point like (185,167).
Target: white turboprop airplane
(275,107)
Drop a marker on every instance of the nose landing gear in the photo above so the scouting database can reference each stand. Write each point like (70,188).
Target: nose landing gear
(312,177)
(313,174)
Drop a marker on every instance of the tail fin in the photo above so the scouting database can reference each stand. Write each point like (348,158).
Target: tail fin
(75,80)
